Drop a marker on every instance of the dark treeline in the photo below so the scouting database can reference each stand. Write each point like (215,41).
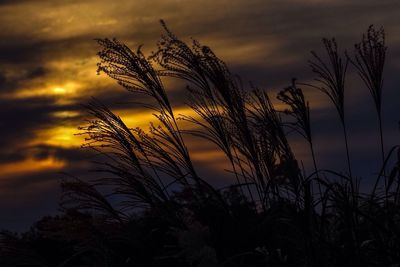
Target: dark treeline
(150,207)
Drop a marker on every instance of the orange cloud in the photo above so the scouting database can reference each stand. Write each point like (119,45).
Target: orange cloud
(30,165)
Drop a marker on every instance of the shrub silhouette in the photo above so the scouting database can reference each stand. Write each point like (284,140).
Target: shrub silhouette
(150,207)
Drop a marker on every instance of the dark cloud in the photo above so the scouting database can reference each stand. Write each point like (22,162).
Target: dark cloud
(11,156)
(7,85)
(36,73)
(26,52)
(79,160)
(11,84)
(20,52)
(5,2)
(27,197)
(19,117)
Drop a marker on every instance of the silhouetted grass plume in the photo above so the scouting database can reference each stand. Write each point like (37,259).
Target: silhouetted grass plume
(149,206)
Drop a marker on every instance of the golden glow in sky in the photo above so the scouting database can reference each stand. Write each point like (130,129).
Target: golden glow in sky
(30,165)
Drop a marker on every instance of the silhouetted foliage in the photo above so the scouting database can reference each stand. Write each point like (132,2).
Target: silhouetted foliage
(150,207)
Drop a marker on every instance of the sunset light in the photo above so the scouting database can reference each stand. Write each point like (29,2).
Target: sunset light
(59,90)
(30,165)
(213,133)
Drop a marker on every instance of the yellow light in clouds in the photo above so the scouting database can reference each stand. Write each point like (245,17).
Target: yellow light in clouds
(65,114)
(30,165)
(60,136)
(214,155)
(65,90)
(143,119)
(59,90)
(69,88)
(66,135)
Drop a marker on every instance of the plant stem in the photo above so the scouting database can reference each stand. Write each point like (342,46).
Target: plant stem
(381,137)
(315,166)
(347,149)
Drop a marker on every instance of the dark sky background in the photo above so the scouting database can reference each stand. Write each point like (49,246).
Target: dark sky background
(48,68)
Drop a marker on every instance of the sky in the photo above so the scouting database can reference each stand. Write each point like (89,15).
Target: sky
(48,70)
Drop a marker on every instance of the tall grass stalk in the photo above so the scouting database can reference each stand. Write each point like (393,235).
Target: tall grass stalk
(369,60)
(300,111)
(331,79)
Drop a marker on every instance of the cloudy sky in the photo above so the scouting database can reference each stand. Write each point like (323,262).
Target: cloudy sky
(48,69)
